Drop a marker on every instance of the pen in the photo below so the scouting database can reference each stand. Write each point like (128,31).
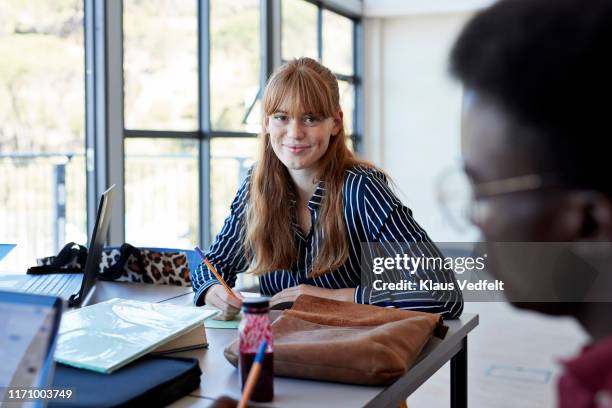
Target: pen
(217,274)
(253,374)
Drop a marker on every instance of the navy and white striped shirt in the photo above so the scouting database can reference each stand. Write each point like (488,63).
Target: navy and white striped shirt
(372,213)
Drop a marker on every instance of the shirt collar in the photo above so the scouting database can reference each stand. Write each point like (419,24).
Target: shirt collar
(315,200)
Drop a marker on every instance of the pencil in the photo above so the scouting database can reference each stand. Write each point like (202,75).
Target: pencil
(253,376)
(217,274)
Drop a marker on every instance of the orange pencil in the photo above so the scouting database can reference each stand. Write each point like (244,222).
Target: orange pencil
(217,275)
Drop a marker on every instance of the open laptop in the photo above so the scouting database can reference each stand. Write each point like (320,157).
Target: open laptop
(29,325)
(73,288)
(5,249)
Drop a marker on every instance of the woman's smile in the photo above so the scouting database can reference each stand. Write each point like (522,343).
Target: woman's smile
(296,148)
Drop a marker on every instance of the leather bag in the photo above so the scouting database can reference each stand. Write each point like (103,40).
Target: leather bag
(323,339)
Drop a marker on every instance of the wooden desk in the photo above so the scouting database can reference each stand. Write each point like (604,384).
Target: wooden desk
(219,377)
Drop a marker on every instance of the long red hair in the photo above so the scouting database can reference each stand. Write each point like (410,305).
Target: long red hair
(310,87)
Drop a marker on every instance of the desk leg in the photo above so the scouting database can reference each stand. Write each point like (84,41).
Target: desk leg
(459,377)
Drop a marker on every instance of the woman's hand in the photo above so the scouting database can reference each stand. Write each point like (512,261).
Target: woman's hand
(217,296)
(292,293)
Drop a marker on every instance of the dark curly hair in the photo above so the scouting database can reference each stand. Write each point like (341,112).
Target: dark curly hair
(548,63)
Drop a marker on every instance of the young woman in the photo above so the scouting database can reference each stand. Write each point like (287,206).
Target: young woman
(299,218)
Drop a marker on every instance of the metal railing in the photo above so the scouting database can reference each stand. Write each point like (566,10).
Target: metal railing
(39,209)
(43,200)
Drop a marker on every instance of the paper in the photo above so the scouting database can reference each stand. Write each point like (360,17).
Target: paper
(5,249)
(212,323)
(111,334)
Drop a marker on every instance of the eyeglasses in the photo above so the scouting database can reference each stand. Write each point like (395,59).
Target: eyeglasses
(465,203)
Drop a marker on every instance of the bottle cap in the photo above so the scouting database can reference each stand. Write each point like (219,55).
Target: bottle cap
(255,305)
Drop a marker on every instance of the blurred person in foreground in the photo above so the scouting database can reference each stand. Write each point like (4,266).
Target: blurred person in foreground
(537,123)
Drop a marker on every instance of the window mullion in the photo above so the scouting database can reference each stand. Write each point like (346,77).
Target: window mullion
(104,99)
(204,124)
(358,67)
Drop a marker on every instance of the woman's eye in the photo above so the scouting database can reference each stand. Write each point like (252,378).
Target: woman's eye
(280,117)
(310,120)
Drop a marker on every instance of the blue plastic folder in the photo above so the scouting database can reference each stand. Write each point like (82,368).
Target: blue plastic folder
(5,249)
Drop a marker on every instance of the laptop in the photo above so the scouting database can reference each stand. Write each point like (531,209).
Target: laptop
(30,325)
(5,249)
(74,289)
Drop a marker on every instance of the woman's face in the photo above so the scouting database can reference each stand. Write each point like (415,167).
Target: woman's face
(300,141)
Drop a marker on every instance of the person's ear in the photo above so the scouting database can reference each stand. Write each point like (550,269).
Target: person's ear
(265,124)
(592,216)
(338,122)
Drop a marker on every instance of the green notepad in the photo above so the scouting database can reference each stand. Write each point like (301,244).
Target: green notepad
(212,323)
(108,335)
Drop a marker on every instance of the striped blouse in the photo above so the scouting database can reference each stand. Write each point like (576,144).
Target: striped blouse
(372,214)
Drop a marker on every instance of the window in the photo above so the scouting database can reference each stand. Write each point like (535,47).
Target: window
(175,109)
(42,141)
(161,192)
(312,31)
(190,86)
(160,64)
(337,43)
(231,159)
(234,65)
(299,29)
(337,54)
(234,99)
(160,70)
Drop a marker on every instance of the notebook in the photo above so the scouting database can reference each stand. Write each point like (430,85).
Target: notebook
(193,339)
(106,336)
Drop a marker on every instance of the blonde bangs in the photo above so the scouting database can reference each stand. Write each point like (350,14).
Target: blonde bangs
(304,91)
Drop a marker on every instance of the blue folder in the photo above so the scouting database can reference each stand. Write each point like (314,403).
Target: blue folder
(152,381)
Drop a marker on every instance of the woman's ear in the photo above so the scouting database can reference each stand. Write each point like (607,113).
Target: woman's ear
(338,122)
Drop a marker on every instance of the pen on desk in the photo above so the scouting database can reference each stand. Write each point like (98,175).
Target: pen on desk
(249,386)
(214,272)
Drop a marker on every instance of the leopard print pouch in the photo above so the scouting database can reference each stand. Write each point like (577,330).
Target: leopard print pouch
(131,264)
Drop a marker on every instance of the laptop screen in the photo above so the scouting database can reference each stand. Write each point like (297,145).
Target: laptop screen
(27,340)
(5,249)
(96,243)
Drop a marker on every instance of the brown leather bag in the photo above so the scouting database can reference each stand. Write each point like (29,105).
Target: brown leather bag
(324,339)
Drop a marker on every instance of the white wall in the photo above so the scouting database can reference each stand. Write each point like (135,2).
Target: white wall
(413,108)
(394,8)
